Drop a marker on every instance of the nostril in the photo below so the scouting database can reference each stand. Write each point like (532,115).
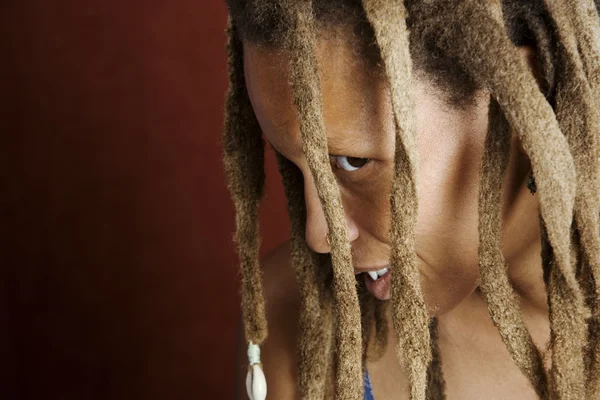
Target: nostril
(316,235)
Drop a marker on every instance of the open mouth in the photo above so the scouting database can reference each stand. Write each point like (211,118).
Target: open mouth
(378,283)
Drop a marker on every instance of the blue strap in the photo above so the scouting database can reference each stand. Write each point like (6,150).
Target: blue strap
(368,388)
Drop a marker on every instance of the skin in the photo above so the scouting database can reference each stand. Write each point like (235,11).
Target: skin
(359,123)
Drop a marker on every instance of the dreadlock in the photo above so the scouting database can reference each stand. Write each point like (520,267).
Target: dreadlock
(503,302)
(243,145)
(557,121)
(575,94)
(409,315)
(315,311)
(307,96)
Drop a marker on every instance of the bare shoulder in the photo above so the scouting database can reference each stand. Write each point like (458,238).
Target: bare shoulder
(278,353)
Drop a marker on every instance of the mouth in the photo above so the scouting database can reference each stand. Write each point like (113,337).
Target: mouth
(377,282)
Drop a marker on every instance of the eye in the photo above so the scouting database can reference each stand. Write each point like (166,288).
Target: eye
(349,163)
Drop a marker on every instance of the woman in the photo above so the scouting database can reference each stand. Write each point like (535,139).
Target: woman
(441,164)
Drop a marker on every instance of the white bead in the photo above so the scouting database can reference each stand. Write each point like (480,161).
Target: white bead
(256,384)
(253,354)
(249,384)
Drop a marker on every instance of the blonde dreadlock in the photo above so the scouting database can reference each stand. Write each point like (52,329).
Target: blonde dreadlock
(505,74)
(315,324)
(243,146)
(307,96)
(563,149)
(579,117)
(503,302)
(410,317)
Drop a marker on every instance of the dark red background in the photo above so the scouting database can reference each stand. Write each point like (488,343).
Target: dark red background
(118,271)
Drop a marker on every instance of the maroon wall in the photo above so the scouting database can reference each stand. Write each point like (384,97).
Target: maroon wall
(118,270)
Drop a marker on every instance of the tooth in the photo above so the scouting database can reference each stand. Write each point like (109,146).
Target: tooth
(373,275)
(382,272)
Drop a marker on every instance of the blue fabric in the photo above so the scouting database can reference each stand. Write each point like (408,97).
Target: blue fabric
(368,388)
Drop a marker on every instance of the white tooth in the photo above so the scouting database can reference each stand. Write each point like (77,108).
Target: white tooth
(373,275)
(382,272)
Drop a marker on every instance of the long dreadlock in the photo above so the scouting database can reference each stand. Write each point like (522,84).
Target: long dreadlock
(575,95)
(558,126)
(307,96)
(315,310)
(409,315)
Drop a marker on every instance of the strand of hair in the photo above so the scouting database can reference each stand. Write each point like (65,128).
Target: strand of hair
(409,315)
(300,45)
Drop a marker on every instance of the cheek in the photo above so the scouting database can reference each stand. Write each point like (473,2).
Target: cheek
(370,207)
(446,242)
(447,224)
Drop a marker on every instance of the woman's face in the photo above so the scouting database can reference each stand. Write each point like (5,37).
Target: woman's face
(360,132)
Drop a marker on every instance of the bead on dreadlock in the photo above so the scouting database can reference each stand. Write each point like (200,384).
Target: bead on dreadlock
(243,147)
(256,384)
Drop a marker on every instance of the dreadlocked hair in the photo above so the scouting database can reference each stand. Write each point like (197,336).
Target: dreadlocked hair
(503,302)
(463,47)
(311,274)
(243,145)
(578,93)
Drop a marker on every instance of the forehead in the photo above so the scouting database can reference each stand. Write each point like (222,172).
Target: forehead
(355,96)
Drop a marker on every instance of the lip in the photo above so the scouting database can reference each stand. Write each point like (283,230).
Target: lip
(380,288)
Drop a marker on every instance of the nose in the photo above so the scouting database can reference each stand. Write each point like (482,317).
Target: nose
(316,224)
